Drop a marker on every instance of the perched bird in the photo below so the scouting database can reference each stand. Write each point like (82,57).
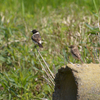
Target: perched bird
(36,38)
(75,52)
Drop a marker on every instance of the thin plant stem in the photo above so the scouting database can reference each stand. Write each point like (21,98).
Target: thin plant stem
(46,64)
(46,71)
(47,80)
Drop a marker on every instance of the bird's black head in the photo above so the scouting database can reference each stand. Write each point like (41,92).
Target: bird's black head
(34,31)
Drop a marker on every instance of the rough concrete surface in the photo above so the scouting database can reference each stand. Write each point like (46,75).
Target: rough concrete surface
(78,82)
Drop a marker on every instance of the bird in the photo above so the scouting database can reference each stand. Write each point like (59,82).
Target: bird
(75,52)
(36,38)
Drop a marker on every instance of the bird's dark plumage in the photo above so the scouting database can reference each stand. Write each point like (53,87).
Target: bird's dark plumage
(75,52)
(36,38)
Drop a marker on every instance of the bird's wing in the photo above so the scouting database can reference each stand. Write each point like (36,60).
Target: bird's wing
(36,38)
(76,52)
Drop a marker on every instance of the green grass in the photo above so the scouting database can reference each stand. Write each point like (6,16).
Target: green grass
(60,23)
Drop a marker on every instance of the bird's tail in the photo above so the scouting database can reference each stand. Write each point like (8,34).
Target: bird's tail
(40,45)
(81,61)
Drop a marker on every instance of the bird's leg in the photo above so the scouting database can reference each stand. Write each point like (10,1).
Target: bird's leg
(35,46)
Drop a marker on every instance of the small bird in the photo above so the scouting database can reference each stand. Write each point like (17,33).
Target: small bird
(36,38)
(75,52)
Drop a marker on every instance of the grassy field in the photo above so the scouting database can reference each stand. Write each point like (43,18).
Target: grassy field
(61,23)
